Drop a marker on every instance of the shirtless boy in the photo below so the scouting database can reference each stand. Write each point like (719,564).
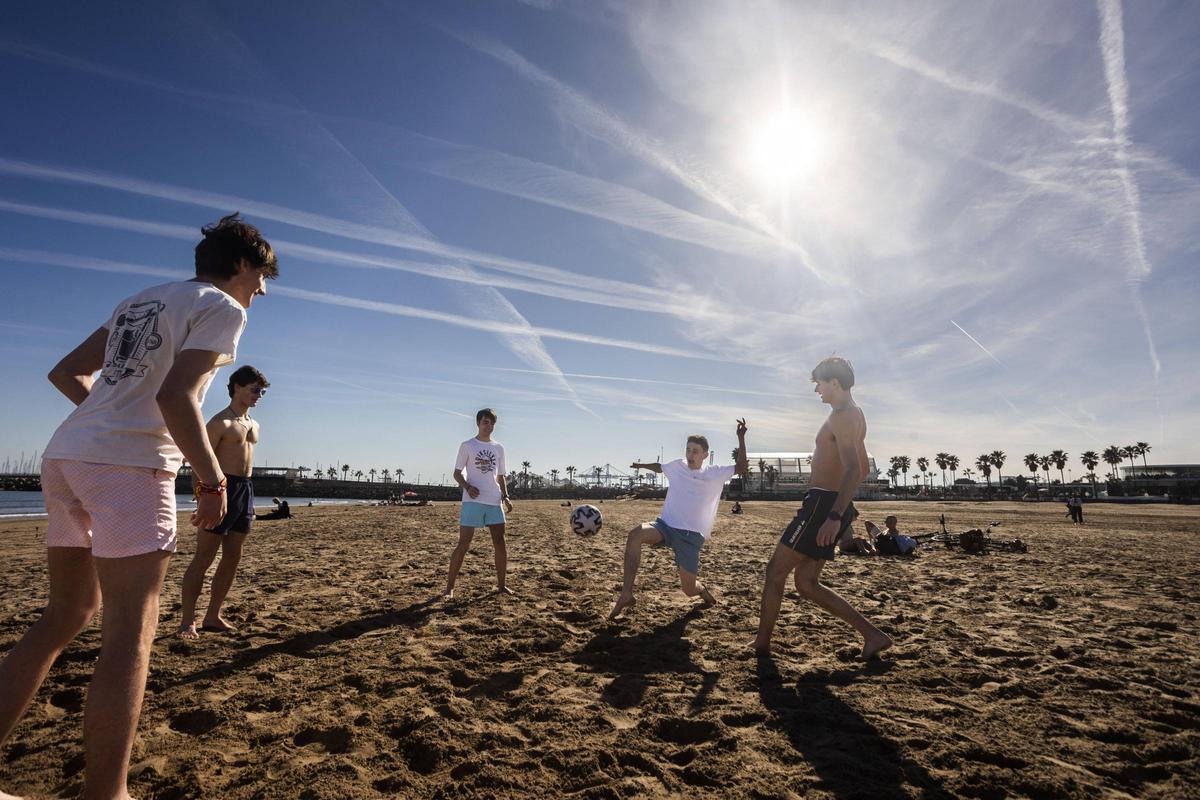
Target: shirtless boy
(108,476)
(233,435)
(686,520)
(480,469)
(839,464)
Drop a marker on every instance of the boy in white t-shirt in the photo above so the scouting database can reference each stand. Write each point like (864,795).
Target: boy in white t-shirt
(108,478)
(480,469)
(686,520)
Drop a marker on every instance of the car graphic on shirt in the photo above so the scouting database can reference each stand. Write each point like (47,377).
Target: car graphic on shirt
(134,335)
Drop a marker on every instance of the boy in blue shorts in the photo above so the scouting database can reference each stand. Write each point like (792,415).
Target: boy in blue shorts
(480,470)
(686,520)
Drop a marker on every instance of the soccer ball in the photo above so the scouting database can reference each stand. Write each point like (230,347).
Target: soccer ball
(586,520)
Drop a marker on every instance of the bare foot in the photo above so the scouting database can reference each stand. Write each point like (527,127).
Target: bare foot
(447,595)
(875,645)
(217,626)
(623,602)
(504,590)
(186,631)
(762,651)
(707,596)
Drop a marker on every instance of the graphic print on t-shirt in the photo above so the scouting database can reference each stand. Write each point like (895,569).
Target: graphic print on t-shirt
(135,334)
(485,461)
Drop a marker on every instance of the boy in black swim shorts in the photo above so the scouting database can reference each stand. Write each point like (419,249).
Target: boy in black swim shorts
(801,532)
(233,435)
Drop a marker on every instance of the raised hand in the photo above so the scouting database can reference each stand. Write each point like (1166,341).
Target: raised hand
(741,428)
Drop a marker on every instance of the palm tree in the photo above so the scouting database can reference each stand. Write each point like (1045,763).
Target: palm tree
(399,474)
(1129,451)
(1089,459)
(525,473)
(998,458)
(943,462)
(762,471)
(571,474)
(331,472)
(358,473)
(1032,461)
(596,472)
(1044,463)
(952,464)
(1059,459)
(893,473)
(345,469)
(554,477)
(1113,456)
(923,465)
(1142,448)
(372,472)
(301,470)
(387,473)
(772,474)
(984,462)
(905,464)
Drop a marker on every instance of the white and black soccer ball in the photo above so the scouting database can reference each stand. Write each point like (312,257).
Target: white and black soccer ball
(586,520)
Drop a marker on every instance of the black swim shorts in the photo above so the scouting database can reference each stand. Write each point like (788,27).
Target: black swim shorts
(239,495)
(801,532)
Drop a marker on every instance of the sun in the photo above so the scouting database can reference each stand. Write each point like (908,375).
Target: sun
(784,146)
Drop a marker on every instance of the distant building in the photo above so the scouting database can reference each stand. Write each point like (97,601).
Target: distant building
(791,473)
(1165,478)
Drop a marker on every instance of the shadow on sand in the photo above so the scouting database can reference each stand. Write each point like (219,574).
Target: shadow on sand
(633,659)
(301,645)
(851,758)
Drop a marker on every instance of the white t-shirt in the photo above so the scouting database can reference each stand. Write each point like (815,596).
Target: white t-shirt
(120,422)
(481,463)
(693,495)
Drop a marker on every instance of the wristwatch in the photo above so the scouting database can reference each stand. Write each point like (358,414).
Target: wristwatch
(835,516)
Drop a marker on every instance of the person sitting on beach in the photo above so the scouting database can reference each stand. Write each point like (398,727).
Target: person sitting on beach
(737,508)
(282,510)
(686,520)
(891,542)
(233,435)
(849,544)
(480,469)
(108,478)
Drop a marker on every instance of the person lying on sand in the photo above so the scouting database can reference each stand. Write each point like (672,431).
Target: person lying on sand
(852,545)
(686,520)
(233,435)
(839,464)
(480,470)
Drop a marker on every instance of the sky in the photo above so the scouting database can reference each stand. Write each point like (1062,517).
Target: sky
(618,223)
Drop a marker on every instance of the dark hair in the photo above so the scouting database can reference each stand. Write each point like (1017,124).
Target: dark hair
(227,242)
(247,376)
(485,412)
(700,440)
(834,367)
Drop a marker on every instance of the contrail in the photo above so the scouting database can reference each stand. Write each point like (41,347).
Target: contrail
(1112,48)
(977,344)
(327,298)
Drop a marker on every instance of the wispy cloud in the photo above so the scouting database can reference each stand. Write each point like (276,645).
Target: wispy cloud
(329,298)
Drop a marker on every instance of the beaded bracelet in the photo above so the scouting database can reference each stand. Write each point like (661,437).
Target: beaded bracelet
(203,488)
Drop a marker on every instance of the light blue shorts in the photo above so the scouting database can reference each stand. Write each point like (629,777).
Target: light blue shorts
(477,515)
(686,545)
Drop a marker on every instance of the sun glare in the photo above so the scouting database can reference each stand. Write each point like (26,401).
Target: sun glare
(785,146)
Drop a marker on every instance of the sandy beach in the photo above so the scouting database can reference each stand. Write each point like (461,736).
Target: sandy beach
(1071,671)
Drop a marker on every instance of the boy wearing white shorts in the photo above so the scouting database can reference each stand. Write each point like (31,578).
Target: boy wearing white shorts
(480,469)
(108,477)
(686,520)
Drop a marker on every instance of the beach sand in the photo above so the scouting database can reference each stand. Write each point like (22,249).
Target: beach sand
(1070,671)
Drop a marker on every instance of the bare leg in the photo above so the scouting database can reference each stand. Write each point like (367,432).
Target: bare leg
(874,640)
(692,586)
(130,588)
(231,554)
(781,563)
(74,598)
(501,554)
(456,558)
(644,534)
(207,545)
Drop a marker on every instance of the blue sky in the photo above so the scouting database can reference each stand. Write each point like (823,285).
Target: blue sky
(620,223)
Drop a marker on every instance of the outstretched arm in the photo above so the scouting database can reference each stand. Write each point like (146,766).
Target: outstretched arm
(743,464)
(655,467)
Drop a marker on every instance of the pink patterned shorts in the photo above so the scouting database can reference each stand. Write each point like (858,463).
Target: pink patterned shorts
(116,511)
